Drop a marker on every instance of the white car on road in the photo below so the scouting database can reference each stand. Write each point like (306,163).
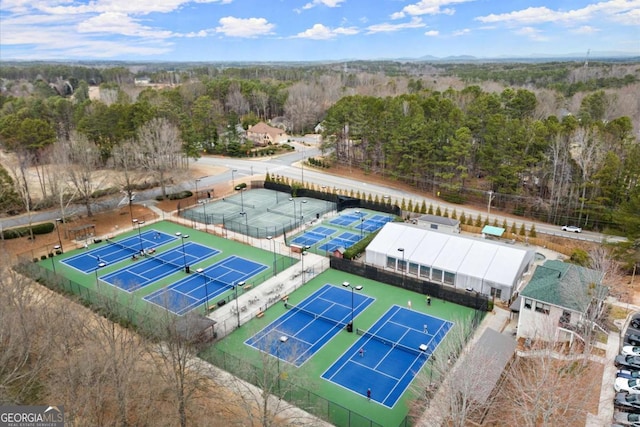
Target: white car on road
(572,228)
(624,384)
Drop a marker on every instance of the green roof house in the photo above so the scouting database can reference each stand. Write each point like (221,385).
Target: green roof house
(561,301)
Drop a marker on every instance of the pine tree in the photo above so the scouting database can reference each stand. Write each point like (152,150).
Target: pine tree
(423,208)
(430,212)
(532,231)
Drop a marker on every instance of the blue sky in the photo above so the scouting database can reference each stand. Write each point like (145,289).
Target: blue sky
(309,30)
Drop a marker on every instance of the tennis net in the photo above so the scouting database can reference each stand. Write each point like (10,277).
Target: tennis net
(161,260)
(388,342)
(288,214)
(123,246)
(315,315)
(235,202)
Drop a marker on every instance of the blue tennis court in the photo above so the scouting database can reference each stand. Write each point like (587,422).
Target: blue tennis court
(345,240)
(196,289)
(117,250)
(296,335)
(311,237)
(374,223)
(151,269)
(347,219)
(387,357)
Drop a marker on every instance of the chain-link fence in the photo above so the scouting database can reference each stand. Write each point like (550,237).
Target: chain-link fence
(462,297)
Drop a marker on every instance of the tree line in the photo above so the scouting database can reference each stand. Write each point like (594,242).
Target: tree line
(581,169)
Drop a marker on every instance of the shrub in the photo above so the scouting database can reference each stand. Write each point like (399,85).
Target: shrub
(176,196)
(14,233)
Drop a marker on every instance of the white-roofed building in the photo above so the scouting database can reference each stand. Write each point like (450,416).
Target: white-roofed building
(488,267)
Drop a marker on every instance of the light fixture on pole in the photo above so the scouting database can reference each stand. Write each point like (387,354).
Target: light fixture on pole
(283,339)
(204,211)
(357,288)
(138,224)
(361,222)
(242,200)
(233,182)
(302,213)
(206,291)
(59,220)
(295,217)
(184,254)
(404,267)
(237,303)
(302,254)
(100,265)
(197,181)
(275,264)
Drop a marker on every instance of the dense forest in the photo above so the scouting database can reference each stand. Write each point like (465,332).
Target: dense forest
(554,141)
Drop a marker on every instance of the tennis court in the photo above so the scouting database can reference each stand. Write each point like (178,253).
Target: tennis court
(197,289)
(117,250)
(386,358)
(153,268)
(311,237)
(345,220)
(310,325)
(374,223)
(346,240)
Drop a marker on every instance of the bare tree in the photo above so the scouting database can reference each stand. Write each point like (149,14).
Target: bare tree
(176,358)
(540,391)
(82,162)
(587,154)
(235,100)
(303,106)
(124,159)
(262,397)
(159,149)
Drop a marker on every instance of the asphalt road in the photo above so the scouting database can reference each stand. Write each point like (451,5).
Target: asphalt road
(289,165)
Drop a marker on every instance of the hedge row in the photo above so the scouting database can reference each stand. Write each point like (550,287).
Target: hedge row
(176,196)
(14,233)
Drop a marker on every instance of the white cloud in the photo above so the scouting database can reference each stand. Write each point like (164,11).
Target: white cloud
(618,10)
(586,29)
(428,7)
(119,23)
(432,33)
(247,28)
(461,32)
(415,22)
(531,33)
(320,32)
(327,3)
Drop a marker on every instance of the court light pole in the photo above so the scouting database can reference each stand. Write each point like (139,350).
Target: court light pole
(59,220)
(302,254)
(233,182)
(100,265)
(361,223)
(137,223)
(242,201)
(197,181)
(204,210)
(403,265)
(275,263)
(237,303)
(184,254)
(356,288)
(283,339)
(302,213)
(206,291)
(295,217)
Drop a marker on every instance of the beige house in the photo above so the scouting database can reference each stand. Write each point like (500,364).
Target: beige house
(263,134)
(559,301)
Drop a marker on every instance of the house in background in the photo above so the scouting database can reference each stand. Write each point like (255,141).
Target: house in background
(439,223)
(560,300)
(262,134)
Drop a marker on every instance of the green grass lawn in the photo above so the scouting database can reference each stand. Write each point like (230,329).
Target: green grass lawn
(309,374)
